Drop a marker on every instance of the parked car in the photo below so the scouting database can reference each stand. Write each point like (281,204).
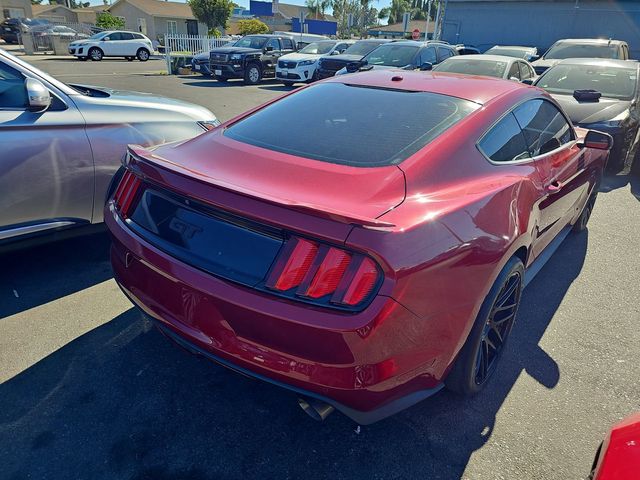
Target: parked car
(200,64)
(301,66)
(581,48)
(463,49)
(328,66)
(409,55)
(601,95)
(251,58)
(379,248)
(44,34)
(302,40)
(524,53)
(12,28)
(509,68)
(63,143)
(112,43)
(618,457)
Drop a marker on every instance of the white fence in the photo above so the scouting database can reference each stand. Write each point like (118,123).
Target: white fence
(192,44)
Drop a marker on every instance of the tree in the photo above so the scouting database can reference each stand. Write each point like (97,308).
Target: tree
(213,13)
(107,21)
(252,26)
(383,14)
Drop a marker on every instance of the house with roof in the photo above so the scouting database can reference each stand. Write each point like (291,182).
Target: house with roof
(15,9)
(157,18)
(62,14)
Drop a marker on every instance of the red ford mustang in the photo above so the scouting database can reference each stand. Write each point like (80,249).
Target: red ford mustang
(363,241)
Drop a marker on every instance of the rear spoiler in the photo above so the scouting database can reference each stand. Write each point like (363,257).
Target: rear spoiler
(140,157)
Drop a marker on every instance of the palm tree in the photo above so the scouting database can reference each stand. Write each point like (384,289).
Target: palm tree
(384,13)
(313,8)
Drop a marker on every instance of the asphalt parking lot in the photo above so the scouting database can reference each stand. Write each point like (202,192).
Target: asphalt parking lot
(89,390)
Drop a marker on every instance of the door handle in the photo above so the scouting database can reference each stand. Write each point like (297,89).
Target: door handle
(554,187)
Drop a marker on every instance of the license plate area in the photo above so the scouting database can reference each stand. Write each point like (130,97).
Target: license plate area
(218,72)
(220,243)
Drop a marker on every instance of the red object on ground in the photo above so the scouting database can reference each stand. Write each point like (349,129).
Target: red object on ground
(619,456)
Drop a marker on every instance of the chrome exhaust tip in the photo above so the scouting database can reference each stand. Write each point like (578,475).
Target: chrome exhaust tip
(316,409)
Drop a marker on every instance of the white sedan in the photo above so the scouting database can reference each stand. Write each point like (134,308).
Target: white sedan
(301,66)
(499,66)
(129,45)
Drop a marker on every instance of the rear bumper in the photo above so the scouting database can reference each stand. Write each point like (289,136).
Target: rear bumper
(335,357)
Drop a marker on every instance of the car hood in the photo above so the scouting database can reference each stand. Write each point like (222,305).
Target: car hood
(591,112)
(298,57)
(352,194)
(344,58)
(121,102)
(229,50)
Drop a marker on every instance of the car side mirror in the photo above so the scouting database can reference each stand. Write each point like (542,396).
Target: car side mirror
(336,52)
(38,95)
(527,81)
(597,140)
(426,66)
(268,49)
(353,67)
(105,39)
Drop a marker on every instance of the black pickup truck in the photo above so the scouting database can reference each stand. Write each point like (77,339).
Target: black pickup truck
(252,58)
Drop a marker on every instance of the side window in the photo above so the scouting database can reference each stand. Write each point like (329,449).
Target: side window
(126,36)
(273,43)
(138,36)
(514,71)
(13,95)
(287,44)
(428,55)
(444,53)
(505,141)
(115,36)
(543,125)
(525,71)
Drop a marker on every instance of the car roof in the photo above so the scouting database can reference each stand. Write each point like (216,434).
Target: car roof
(468,87)
(484,56)
(594,41)
(520,47)
(604,62)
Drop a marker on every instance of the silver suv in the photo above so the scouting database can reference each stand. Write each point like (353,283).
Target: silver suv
(61,145)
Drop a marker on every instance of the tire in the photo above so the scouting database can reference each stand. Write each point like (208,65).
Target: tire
(583,219)
(95,54)
(252,74)
(287,84)
(477,360)
(143,54)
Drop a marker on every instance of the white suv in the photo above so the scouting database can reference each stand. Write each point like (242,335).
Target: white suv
(129,45)
(301,66)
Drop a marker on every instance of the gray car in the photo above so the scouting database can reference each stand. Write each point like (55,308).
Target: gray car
(500,66)
(61,145)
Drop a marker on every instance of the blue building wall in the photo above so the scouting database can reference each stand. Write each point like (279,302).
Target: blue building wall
(319,27)
(260,9)
(540,23)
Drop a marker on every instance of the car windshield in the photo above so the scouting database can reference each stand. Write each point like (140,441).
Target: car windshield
(318,48)
(351,124)
(611,82)
(361,48)
(567,50)
(509,52)
(392,55)
(251,42)
(488,68)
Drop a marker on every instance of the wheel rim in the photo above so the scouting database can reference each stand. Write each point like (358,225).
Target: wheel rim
(254,75)
(95,54)
(144,55)
(497,328)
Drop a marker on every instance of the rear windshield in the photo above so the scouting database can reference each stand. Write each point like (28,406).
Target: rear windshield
(351,125)
(362,48)
(609,81)
(565,50)
(508,52)
(318,48)
(488,68)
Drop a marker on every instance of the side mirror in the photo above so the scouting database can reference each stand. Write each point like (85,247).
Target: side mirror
(268,49)
(353,67)
(598,140)
(527,81)
(336,52)
(426,66)
(39,96)
(105,39)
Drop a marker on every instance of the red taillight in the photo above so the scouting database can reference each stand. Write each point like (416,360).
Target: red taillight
(126,192)
(323,274)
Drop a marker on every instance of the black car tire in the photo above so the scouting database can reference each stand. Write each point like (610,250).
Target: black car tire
(492,322)
(95,54)
(143,54)
(287,84)
(253,74)
(583,219)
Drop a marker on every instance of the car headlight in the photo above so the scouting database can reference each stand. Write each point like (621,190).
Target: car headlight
(304,63)
(236,57)
(209,124)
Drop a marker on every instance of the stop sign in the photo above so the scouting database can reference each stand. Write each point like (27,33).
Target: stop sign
(415,34)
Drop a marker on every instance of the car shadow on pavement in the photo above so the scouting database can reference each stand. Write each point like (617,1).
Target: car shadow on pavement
(614,182)
(37,275)
(121,401)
